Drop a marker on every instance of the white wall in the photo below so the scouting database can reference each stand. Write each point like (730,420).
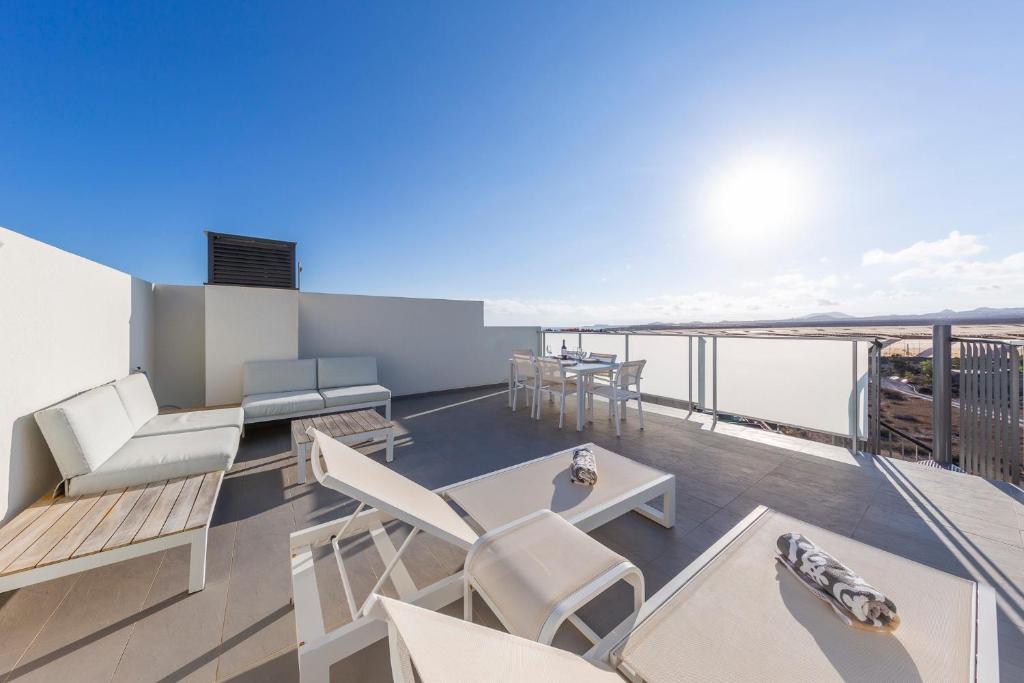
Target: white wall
(69,324)
(141,349)
(179,334)
(421,345)
(243,324)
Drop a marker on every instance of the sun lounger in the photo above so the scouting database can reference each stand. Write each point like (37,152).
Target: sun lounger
(514,493)
(732,615)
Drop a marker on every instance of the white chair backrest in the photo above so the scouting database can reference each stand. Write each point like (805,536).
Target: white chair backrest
(353,474)
(524,367)
(603,357)
(628,374)
(551,370)
(523,352)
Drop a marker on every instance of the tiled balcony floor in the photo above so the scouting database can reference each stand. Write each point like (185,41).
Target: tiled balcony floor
(134,621)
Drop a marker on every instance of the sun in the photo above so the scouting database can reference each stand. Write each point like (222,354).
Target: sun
(759,198)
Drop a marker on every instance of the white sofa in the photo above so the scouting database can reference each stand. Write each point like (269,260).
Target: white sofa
(112,437)
(284,389)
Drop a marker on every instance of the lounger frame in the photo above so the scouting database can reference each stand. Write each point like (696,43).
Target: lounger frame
(318,649)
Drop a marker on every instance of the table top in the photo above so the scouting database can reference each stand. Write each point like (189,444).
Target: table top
(583,367)
(58,528)
(339,425)
(500,497)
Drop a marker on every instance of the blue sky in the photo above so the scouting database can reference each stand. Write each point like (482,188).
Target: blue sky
(565,162)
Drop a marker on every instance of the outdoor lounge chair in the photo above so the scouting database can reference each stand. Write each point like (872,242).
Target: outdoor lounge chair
(513,503)
(730,615)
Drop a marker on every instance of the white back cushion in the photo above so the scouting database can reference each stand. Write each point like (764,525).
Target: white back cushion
(346,372)
(270,376)
(138,399)
(84,431)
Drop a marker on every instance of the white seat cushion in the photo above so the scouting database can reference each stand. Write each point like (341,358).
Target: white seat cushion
(281,403)
(137,397)
(346,372)
(275,376)
(348,396)
(147,459)
(84,431)
(529,569)
(194,421)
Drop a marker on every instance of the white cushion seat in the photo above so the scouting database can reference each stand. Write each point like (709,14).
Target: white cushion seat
(194,421)
(347,396)
(282,403)
(147,459)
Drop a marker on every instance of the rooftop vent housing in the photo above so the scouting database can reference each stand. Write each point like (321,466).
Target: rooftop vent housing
(250,261)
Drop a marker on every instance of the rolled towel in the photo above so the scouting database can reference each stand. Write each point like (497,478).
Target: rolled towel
(583,468)
(857,602)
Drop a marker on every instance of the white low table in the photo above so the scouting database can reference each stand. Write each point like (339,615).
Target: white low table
(348,428)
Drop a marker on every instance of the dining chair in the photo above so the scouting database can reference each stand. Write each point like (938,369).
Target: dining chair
(624,387)
(553,380)
(524,377)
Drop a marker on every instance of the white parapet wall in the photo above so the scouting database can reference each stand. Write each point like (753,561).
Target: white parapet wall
(244,324)
(69,324)
(421,345)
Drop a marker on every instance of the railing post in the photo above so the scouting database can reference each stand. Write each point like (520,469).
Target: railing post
(689,376)
(627,347)
(579,341)
(714,381)
(854,402)
(942,394)
(702,372)
(875,382)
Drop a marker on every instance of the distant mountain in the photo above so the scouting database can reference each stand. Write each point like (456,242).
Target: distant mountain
(977,316)
(834,315)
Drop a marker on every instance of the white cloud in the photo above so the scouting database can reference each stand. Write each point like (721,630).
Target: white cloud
(925,277)
(948,263)
(956,246)
(785,295)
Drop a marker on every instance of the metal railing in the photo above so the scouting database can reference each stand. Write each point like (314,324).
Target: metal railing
(899,444)
(706,372)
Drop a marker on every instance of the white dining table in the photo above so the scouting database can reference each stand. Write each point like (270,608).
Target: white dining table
(584,372)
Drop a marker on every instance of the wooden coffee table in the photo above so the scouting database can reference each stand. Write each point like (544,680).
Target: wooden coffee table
(357,426)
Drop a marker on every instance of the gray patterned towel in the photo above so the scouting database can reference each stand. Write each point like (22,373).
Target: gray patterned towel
(851,597)
(583,468)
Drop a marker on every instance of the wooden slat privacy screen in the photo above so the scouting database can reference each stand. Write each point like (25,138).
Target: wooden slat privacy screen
(250,261)
(990,428)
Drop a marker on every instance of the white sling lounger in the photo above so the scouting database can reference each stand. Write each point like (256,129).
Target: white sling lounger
(513,504)
(732,615)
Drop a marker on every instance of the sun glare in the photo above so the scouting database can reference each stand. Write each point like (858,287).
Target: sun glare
(759,199)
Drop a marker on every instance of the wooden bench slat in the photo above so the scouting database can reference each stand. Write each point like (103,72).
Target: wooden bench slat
(125,533)
(109,524)
(158,515)
(55,534)
(74,538)
(21,521)
(335,426)
(203,507)
(13,550)
(298,433)
(349,425)
(363,418)
(183,505)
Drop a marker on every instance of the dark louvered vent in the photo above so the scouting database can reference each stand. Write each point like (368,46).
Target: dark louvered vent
(250,261)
